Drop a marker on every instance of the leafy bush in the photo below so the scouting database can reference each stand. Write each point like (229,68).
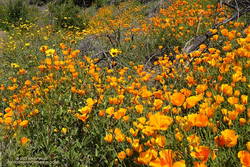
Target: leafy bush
(62,106)
(39,2)
(100,3)
(2,18)
(67,15)
(15,12)
(83,3)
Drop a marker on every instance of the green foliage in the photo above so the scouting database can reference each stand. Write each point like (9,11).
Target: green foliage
(67,15)
(100,3)
(14,13)
(53,91)
(39,2)
(3,23)
(16,10)
(83,3)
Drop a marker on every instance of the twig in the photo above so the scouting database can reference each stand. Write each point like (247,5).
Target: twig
(198,26)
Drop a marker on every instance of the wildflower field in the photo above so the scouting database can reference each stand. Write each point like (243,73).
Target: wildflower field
(122,87)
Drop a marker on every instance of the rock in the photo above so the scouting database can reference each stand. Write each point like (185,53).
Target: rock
(88,45)
(194,43)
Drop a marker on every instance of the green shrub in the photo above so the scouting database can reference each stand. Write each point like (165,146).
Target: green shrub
(67,15)
(83,3)
(39,2)
(15,12)
(100,3)
(2,18)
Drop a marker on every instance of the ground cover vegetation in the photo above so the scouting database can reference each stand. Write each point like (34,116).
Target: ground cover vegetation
(114,84)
